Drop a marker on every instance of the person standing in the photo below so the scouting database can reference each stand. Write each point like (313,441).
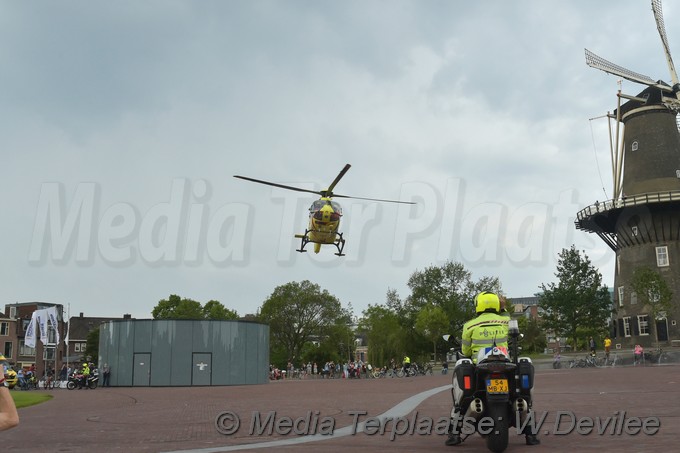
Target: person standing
(607,346)
(591,344)
(106,375)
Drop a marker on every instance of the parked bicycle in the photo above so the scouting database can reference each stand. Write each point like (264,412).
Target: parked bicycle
(655,357)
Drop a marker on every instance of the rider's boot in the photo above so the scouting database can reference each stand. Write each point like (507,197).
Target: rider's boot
(455,425)
(531,438)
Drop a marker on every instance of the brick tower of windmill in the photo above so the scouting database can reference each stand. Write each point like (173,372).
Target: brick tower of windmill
(642,221)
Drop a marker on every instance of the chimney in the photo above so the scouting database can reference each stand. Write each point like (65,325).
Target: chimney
(127,316)
(81,314)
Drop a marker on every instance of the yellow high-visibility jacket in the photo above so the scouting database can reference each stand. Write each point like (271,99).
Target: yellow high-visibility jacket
(480,332)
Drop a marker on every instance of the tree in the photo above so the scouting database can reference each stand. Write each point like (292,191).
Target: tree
(175,307)
(384,334)
(297,312)
(215,310)
(534,336)
(92,347)
(432,323)
(578,299)
(654,293)
(450,287)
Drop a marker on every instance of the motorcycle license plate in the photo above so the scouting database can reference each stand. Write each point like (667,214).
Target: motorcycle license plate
(496,386)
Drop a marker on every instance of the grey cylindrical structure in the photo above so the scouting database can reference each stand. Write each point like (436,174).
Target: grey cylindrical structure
(144,353)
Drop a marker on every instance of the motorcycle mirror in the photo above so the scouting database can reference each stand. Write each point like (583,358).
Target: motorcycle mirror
(446,337)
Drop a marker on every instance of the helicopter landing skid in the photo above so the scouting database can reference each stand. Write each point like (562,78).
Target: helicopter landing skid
(339,244)
(304,240)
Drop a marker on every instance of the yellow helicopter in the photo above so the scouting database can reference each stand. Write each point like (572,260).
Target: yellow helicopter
(324,215)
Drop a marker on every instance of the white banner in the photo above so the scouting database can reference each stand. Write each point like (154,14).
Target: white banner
(41,318)
(52,316)
(30,339)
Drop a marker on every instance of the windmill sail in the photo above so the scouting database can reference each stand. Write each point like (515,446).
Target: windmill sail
(597,62)
(658,17)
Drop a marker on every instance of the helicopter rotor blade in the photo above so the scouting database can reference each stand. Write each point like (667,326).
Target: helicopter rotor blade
(373,199)
(329,191)
(297,189)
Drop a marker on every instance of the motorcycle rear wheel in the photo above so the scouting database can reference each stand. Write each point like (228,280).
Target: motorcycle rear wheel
(92,384)
(497,440)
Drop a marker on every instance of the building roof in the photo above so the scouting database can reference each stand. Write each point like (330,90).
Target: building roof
(81,326)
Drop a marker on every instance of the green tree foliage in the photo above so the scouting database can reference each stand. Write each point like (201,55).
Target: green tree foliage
(534,339)
(449,287)
(215,310)
(176,307)
(383,333)
(432,323)
(297,313)
(578,300)
(654,293)
(92,348)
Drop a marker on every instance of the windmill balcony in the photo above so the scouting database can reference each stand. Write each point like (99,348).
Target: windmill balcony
(642,199)
(633,220)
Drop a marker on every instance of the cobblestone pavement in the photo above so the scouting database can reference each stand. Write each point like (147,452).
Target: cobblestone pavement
(175,419)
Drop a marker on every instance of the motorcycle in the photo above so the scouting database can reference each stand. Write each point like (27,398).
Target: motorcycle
(496,392)
(77,380)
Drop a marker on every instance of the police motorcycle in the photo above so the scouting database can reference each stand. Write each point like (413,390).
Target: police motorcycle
(77,380)
(496,392)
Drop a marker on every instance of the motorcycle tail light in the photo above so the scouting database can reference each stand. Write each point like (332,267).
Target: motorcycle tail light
(466,383)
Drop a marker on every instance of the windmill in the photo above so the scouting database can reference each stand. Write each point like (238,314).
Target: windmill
(642,221)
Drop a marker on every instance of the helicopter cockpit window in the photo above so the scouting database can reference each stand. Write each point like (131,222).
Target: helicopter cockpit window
(317,205)
(336,207)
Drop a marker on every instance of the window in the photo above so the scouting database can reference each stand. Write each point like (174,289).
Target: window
(626,326)
(76,347)
(25,350)
(620,296)
(12,312)
(635,230)
(4,328)
(643,324)
(634,146)
(633,298)
(662,256)
(49,353)
(618,265)
(8,349)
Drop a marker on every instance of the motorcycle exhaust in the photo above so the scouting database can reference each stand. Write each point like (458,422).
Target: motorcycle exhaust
(522,408)
(475,409)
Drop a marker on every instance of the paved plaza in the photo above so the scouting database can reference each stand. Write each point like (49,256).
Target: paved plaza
(183,419)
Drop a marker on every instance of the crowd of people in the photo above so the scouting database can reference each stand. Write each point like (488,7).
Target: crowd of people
(329,370)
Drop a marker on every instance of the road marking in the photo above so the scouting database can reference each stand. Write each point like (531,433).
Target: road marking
(399,410)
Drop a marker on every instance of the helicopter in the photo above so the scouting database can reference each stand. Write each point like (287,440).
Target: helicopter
(324,214)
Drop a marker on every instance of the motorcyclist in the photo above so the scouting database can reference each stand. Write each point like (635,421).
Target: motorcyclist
(85,373)
(488,327)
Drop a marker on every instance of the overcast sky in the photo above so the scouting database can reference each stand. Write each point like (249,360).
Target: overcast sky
(122,124)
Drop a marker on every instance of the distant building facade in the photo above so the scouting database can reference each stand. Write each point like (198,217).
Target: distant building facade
(13,325)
